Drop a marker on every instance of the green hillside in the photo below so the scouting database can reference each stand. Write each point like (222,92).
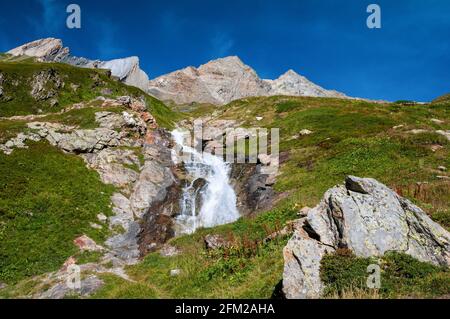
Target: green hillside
(48,197)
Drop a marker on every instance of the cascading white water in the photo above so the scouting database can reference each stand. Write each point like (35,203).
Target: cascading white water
(217,196)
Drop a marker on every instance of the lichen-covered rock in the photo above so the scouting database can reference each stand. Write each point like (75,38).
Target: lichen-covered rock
(46,84)
(113,166)
(49,49)
(368,218)
(151,186)
(302,256)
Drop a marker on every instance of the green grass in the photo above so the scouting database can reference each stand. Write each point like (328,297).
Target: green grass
(401,276)
(80,85)
(354,137)
(442,99)
(47,199)
(250,268)
(349,137)
(10,129)
(83,118)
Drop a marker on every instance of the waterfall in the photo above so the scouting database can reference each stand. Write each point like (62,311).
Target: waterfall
(217,197)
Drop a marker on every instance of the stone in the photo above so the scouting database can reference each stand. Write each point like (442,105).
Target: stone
(213,242)
(301,275)
(418,131)
(46,85)
(369,219)
(305,132)
(113,166)
(446,134)
(125,246)
(259,118)
(151,186)
(137,123)
(169,251)
(436,147)
(84,243)
(102,218)
(398,126)
(69,262)
(109,120)
(61,290)
(175,272)
(123,214)
(304,211)
(442,168)
(437,121)
(95,226)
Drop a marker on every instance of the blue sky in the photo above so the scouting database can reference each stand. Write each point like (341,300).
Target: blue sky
(325,40)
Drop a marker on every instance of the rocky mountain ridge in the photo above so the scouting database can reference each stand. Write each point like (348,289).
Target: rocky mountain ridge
(52,50)
(227,79)
(217,82)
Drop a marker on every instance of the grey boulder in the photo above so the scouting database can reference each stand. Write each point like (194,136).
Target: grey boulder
(369,219)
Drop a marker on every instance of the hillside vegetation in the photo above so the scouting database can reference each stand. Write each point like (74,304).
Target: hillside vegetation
(349,137)
(47,197)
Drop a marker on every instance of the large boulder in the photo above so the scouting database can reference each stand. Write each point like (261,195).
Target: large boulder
(367,218)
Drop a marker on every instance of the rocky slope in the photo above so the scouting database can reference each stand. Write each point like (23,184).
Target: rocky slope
(224,80)
(217,82)
(367,218)
(52,50)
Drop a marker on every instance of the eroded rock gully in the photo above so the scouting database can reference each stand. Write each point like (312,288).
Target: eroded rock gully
(129,151)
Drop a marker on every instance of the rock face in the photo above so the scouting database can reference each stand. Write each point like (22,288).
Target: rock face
(44,50)
(291,83)
(366,217)
(128,71)
(216,82)
(224,80)
(52,50)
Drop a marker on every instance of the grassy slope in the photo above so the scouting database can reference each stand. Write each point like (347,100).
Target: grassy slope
(350,137)
(48,198)
(89,82)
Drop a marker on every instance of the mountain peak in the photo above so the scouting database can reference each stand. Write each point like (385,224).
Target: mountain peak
(52,50)
(290,72)
(49,49)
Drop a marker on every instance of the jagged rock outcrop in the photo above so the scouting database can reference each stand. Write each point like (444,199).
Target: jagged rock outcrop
(216,82)
(45,85)
(44,50)
(126,70)
(224,80)
(366,217)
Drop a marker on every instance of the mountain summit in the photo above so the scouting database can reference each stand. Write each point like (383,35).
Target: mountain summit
(217,82)
(227,79)
(52,50)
